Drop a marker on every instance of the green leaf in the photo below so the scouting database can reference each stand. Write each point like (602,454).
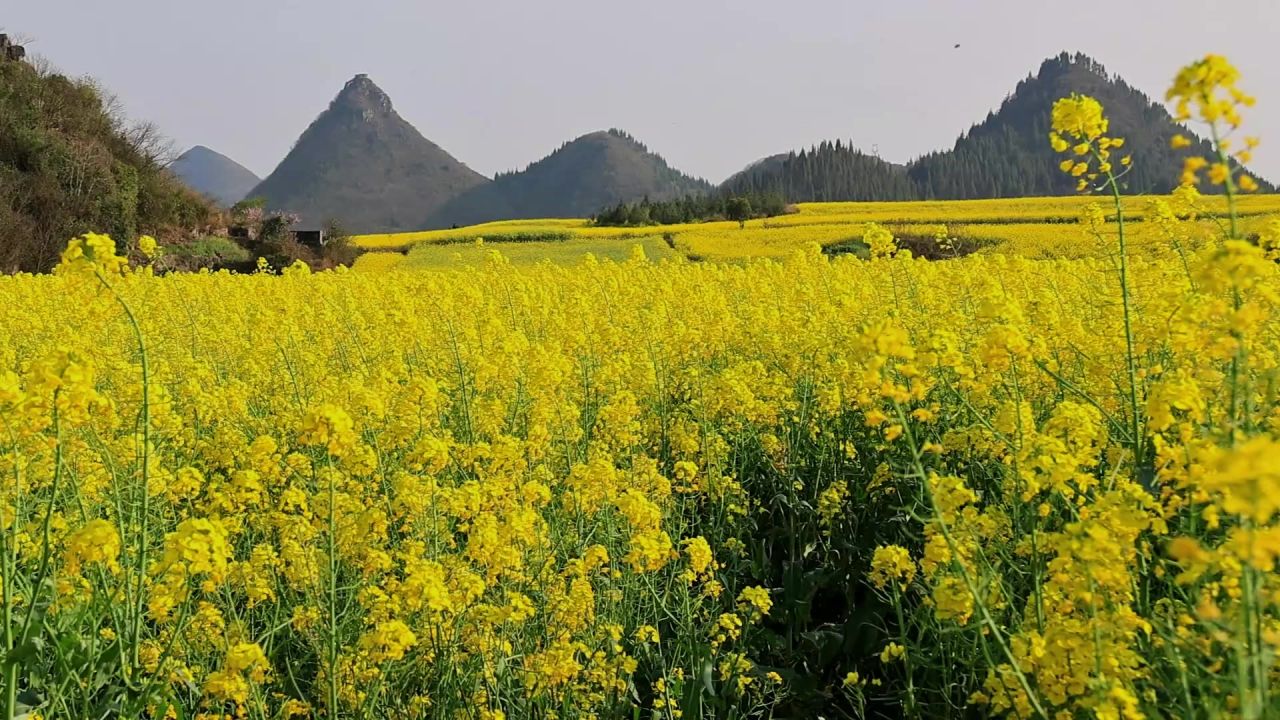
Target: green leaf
(27,652)
(708,681)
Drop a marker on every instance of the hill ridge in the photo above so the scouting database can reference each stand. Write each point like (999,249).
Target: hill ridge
(577,179)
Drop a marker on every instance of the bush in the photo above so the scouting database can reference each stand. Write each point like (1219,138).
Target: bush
(207,251)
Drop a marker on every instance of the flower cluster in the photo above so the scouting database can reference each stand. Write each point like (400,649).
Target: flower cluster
(90,253)
(1206,91)
(1079,130)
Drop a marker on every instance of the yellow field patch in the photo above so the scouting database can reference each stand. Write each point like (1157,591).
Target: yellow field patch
(1036,227)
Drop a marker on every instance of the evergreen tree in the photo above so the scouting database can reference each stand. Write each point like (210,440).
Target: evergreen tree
(831,171)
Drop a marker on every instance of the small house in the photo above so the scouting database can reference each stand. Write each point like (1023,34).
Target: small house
(310,238)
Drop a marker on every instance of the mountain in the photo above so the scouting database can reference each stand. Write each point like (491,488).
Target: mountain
(362,164)
(597,170)
(1008,153)
(214,174)
(830,171)
(68,165)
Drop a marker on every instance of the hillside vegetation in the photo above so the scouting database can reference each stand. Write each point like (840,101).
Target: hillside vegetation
(830,171)
(69,165)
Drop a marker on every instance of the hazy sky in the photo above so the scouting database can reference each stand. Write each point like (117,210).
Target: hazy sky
(709,84)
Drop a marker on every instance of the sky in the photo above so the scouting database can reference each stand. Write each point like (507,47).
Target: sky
(711,85)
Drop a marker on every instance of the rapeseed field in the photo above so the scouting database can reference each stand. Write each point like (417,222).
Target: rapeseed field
(865,485)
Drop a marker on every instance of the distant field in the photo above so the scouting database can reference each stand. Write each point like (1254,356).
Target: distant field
(1032,227)
(569,252)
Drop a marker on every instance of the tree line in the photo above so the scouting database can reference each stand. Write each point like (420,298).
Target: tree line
(693,209)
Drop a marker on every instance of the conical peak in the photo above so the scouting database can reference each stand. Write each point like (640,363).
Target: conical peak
(363,95)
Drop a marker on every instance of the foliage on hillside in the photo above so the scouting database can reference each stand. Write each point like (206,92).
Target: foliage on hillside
(831,171)
(69,164)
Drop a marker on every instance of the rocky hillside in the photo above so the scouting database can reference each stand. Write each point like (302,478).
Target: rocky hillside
(362,164)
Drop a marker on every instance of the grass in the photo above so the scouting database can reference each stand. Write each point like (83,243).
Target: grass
(208,251)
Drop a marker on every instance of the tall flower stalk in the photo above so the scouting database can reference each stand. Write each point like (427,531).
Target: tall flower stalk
(1080,130)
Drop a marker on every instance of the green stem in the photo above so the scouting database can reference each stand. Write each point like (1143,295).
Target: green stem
(1230,183)
(46,528)
(145,458)
(1252,674)
(1035,516)
(11,667)
(10,562)
(333,596)
(980,604)
(906,656)
(1131,361)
